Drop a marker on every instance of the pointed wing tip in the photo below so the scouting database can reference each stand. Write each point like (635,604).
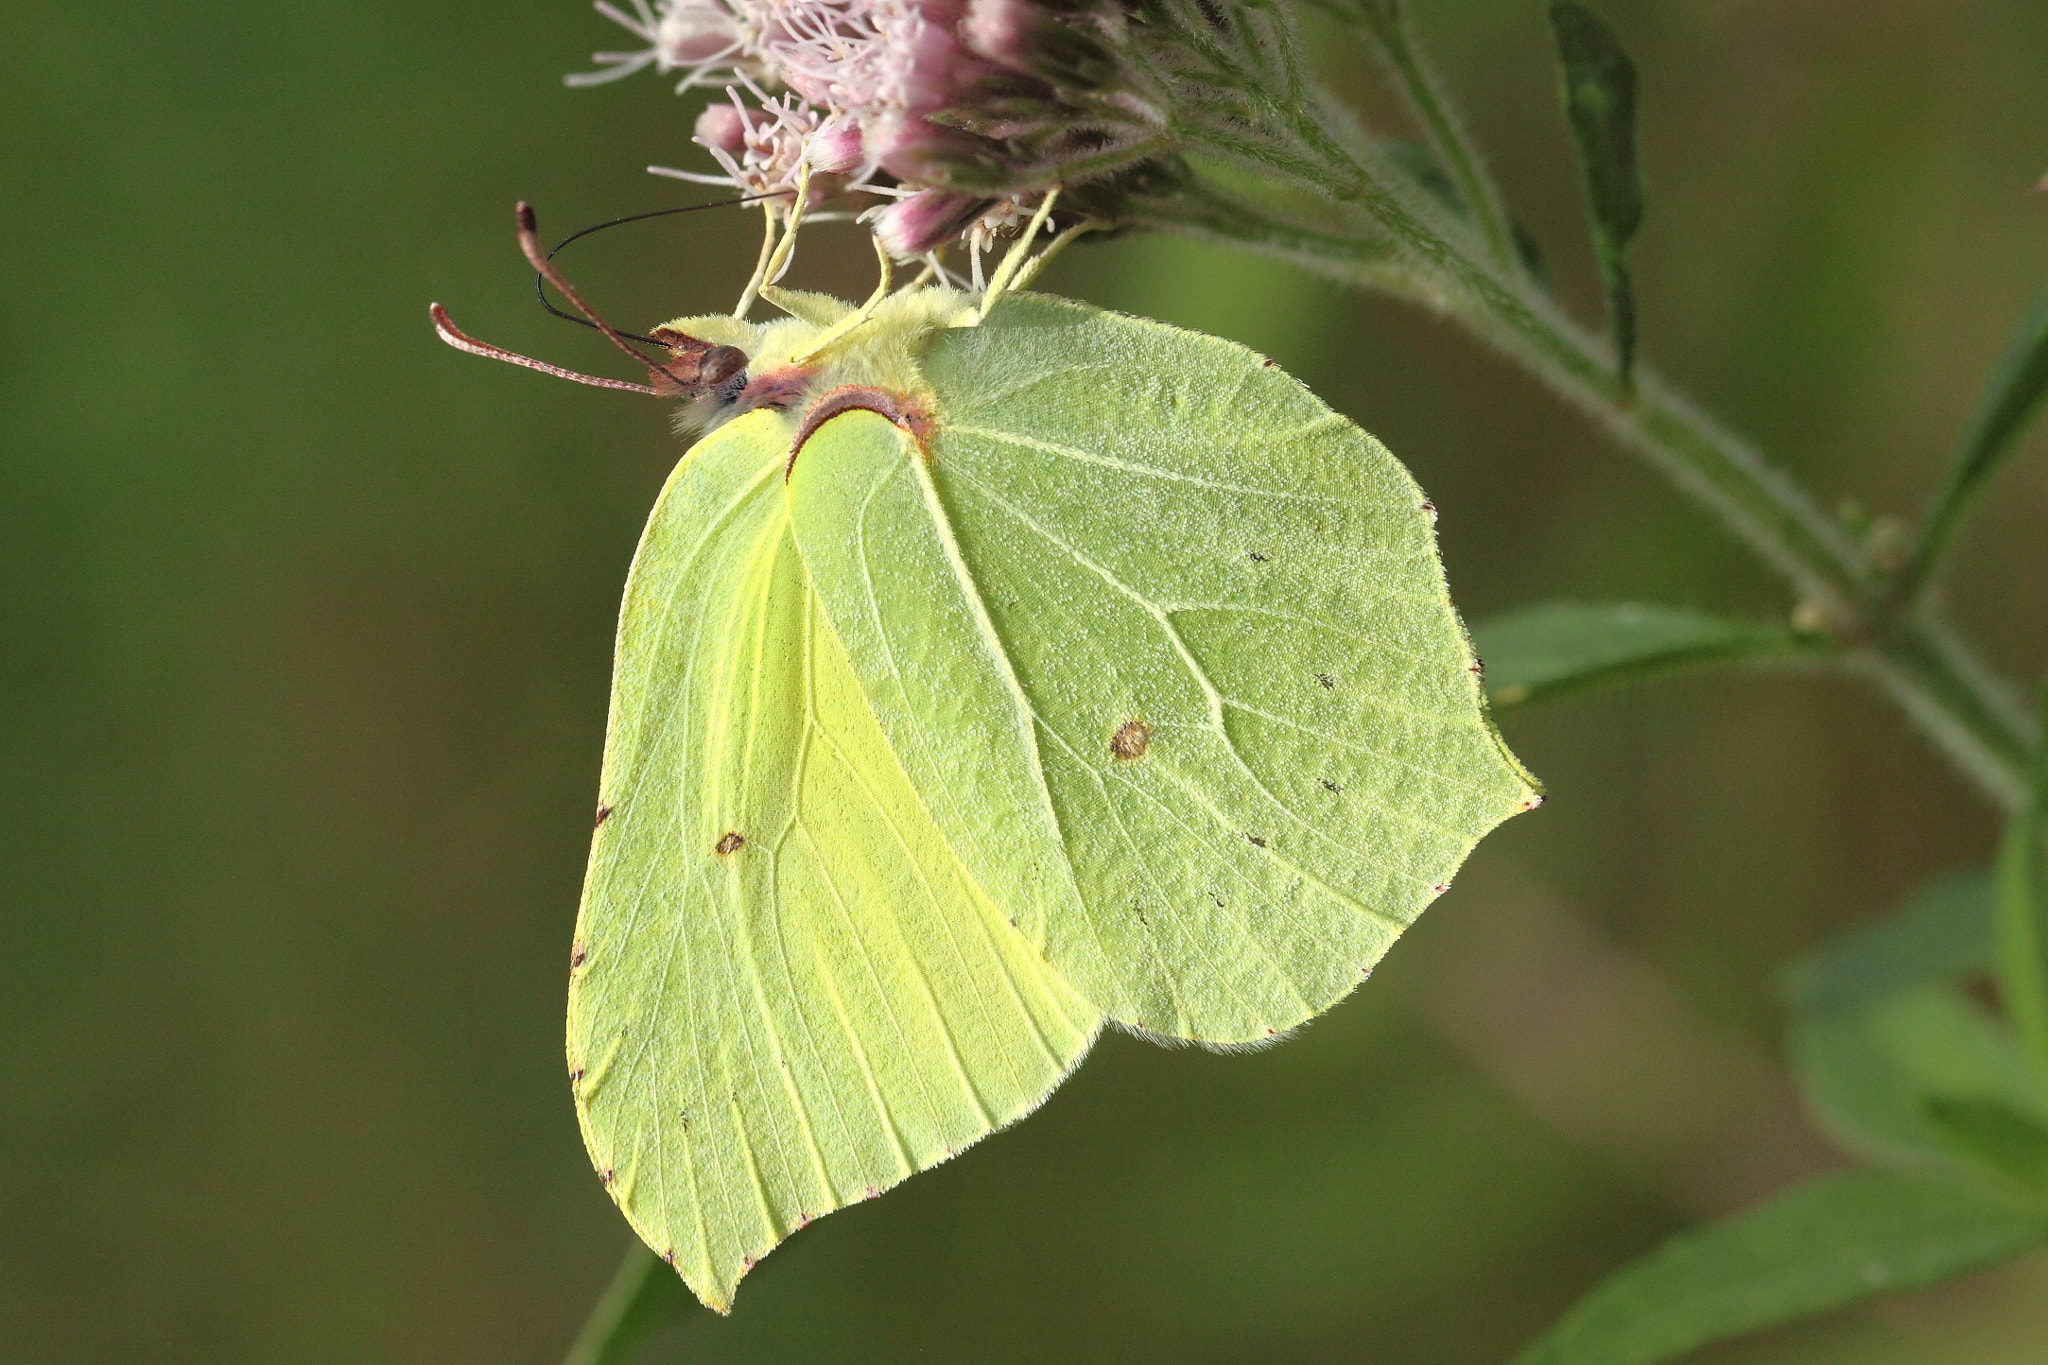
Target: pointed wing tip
(718,1298)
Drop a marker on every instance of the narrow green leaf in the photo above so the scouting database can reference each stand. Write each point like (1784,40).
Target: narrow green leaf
(643,1298)
(1420,162)
(1942,933)
(2010,400)
(1993,1135)
(1821,1246)
(1422,166)
(1545,651)
(2021,915)
(1599,91)
(1450,145)
(1869,1073)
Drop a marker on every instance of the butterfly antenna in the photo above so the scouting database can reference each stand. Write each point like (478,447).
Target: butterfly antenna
(529,243)
(462,341)
(539,281)
(1054,248)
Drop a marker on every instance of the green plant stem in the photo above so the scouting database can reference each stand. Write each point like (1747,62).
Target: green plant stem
(1933,678)
(643,1298)
(1387,22)
(2020,913)
(1955,702)
(2022,985)
(1930,675)
(1943,519)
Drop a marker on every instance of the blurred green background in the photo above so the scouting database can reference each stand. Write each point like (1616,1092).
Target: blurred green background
(304,633)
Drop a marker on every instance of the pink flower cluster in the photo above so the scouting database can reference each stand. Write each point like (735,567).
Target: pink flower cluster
(918,101)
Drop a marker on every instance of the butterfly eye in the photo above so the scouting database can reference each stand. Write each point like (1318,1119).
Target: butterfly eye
(719,364)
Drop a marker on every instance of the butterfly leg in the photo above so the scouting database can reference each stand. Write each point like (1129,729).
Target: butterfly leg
(760,276)
(776,251)
(1030,269)
(1013,259)
(851,320)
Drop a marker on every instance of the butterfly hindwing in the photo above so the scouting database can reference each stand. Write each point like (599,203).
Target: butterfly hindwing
(786,994)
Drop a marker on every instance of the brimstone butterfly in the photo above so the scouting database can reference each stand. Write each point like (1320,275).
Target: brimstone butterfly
(991,670)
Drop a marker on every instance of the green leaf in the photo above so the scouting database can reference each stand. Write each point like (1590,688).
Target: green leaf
(1869,1072)
(1897,1063)
(642,1299)
(2010,400)
(785,994)
(1943,933)
(1599,91)
(1427,172)
(1562,647)
(2021,914)
(1164,645)
(1994,1135)
(1821,1246)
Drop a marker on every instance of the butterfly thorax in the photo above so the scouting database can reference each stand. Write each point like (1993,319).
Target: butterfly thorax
(787,369)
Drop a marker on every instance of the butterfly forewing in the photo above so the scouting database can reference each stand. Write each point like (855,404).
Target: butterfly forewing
(1164,645)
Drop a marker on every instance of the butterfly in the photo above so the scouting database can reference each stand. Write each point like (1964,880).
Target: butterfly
(992,668)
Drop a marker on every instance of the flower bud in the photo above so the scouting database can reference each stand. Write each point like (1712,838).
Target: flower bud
(1024,36)
(1000,30)
(943,74)
(967,108)
(724,127)
(691,34)
(835,147)
(919,152)
(927,221)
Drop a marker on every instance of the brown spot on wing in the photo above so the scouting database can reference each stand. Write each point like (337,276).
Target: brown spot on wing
(1130,741)
(730,843)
